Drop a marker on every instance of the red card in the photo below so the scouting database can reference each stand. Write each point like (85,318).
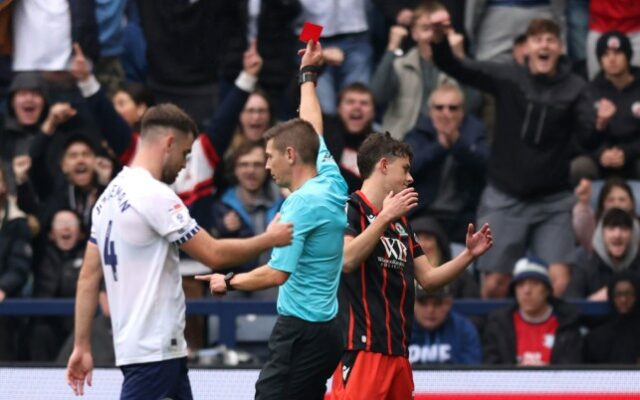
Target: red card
(310,32)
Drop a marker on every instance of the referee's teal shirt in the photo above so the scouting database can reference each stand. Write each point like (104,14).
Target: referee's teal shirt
(314,258)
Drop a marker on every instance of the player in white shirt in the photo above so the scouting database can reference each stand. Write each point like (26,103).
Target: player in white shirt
(139,225)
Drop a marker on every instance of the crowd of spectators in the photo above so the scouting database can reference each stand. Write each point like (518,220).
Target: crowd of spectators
(521,113)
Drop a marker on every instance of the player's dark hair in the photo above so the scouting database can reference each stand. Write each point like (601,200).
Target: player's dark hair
(377,146)
(298,134)
(167,115)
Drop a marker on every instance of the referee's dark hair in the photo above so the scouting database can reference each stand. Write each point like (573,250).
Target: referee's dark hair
(165,116)
(296,133)
(377,146)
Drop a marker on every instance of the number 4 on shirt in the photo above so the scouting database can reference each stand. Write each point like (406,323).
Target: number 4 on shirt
(110,257)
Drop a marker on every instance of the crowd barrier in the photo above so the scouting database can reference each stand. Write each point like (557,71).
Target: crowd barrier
(228,310)
(444,384)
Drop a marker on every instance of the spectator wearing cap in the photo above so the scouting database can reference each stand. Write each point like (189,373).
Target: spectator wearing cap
(440,335)
(616,341)
(27,109)
(73,185)
(616,87)
(538,329)
(435,244)
(615,249)
(450,154)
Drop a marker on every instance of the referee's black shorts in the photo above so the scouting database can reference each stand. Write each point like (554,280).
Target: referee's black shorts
(303,355)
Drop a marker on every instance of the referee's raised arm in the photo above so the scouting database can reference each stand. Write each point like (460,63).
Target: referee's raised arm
(310,67)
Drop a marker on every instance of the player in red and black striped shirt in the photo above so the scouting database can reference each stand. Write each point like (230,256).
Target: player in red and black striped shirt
(381,260)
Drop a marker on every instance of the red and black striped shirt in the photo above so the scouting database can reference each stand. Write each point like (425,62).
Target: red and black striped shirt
(376,299)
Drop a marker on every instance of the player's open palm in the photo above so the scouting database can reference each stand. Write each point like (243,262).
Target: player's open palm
(396,205)
(479,242)
(280,232)
(79,369)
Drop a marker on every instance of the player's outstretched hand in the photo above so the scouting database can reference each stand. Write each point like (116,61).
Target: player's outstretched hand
(396,205)
(217,285)
(280,232)
(79,369)
(478,243)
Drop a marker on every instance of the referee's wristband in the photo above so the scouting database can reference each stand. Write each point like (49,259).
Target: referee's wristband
(227,281)
(311,68)
(308,76)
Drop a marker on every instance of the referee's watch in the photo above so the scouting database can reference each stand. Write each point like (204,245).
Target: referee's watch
(227,281)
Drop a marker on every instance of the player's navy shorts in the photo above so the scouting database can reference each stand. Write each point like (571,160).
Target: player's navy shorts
(156,381)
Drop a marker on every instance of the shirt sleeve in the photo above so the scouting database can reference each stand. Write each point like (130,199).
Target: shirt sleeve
(296,211)
(354,220)
(326,165)
(415,244)
(169,217)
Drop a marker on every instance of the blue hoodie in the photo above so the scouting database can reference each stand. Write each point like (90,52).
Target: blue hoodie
(455,342)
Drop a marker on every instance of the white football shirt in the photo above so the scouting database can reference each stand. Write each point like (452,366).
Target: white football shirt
(138,224)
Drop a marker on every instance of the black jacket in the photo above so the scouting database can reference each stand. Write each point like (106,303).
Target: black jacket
(57,274)
(277,42)
(183,40)
(593,271)
(616,341)
(499,339)
(470,154)
(15,251)
(623,130)
(536,120)
(591,274)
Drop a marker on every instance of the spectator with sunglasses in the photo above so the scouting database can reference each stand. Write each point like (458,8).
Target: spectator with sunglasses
(450,157)
(543,111)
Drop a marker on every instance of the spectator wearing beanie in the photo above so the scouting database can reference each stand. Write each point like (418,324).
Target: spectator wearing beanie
(608,15)
(538,329)
(616,87)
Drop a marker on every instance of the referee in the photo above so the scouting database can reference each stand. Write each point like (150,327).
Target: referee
(381,260)
(306,342)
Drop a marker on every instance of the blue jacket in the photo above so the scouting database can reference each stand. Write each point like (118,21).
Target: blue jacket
(470,153)
(455,342)
(230,201)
